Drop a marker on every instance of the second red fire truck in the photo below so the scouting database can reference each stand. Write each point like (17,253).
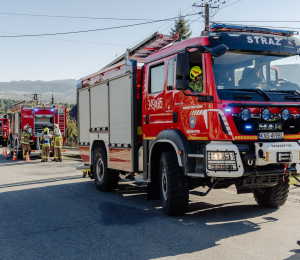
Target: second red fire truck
(36,117)
(4,129)
(140,115)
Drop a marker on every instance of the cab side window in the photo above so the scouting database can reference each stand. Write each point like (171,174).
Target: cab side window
(157,78)
(171,67)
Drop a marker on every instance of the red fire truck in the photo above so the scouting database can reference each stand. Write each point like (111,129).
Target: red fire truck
(36,117)
(4,129)
(242,129)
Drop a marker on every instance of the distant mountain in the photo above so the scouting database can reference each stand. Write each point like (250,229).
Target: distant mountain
(63,90)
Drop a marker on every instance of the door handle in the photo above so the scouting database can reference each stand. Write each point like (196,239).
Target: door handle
(147,119)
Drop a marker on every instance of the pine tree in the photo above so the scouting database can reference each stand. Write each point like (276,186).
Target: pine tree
(182,28)
(2,105)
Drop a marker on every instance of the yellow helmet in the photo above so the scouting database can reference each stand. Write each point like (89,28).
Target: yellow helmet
(195,72)
(46,129)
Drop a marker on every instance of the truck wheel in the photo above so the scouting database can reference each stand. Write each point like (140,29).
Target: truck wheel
(105,179)
(174,191)
(272,197)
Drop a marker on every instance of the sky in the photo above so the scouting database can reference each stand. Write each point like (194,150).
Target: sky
(76,55)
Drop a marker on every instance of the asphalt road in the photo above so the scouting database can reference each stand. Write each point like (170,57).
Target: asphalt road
(48,211)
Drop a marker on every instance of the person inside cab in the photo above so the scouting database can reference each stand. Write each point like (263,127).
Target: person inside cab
(196,85)
(45,141)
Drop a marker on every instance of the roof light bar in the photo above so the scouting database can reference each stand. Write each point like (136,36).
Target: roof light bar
(240,28)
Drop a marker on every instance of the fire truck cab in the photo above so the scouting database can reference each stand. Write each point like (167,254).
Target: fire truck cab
(242,128)
(4,129)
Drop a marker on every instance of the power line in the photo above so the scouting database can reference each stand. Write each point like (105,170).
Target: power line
(85,31)
(138,41)
(78,17)
(100,43)
(259,21)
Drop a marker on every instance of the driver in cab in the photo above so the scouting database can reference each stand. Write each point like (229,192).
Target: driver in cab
(196,85)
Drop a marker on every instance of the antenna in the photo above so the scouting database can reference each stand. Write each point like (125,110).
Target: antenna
(52,99)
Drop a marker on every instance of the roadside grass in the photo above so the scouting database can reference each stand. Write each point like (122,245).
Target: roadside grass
(293,180)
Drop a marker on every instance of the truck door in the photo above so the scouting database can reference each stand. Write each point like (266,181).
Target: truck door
(154,106)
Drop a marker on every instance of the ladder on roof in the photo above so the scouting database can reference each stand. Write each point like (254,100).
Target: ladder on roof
(142,50)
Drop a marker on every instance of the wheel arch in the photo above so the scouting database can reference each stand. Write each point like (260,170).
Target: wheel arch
(97,144)
(168,140)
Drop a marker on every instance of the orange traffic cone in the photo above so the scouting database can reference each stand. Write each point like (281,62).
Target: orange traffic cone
(15,156)
(27,157)
(5,155)
(3,150)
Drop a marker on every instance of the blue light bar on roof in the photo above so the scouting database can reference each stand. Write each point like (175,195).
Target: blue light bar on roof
(241,28)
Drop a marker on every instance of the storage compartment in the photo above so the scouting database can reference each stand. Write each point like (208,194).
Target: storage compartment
(83,116)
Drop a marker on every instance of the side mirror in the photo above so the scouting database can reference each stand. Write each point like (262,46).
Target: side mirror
(218,50)
(182,84)
(183,64)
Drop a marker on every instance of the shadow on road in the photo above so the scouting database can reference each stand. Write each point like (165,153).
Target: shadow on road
(76,221)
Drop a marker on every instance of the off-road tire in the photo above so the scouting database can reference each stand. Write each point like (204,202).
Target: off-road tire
(105,179)
(272,197)
(174,190)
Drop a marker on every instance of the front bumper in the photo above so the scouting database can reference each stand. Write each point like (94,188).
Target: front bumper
(269,157)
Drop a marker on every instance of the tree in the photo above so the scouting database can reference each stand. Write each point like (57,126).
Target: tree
(182,28)
(2,105)
(72,131)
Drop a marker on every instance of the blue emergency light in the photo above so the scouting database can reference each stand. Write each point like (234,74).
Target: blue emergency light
(248,127)
(241,28)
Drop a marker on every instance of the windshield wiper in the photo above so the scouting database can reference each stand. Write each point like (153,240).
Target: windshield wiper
(266,96)
(295,93)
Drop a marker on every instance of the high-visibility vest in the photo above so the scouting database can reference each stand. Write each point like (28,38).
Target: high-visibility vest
(25,137)
(57,141)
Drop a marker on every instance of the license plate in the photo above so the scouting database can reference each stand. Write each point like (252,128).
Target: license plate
(271,135)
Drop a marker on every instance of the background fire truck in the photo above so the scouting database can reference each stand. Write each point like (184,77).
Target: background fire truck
(242,129)
(36,117)
(4,129)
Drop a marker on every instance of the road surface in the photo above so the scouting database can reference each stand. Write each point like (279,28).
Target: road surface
(48,211)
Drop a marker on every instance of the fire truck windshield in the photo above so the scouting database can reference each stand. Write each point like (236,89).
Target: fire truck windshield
(250,72)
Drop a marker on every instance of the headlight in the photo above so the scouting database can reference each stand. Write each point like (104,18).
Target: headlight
(221,161)
(266,114)
(245,114)
(219,156)
(286,114)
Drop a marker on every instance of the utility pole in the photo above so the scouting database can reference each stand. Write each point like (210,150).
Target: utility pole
(206,16)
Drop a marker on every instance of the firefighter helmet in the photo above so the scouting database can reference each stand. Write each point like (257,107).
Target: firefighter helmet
(46,129)
(56,125)
(25,127)
(195,72)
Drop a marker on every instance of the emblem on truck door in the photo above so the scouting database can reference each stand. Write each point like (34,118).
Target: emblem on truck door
(192,122)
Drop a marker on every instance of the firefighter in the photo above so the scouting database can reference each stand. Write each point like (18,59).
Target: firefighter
(196,85)
(45,141)
(57,140)
(25,139)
